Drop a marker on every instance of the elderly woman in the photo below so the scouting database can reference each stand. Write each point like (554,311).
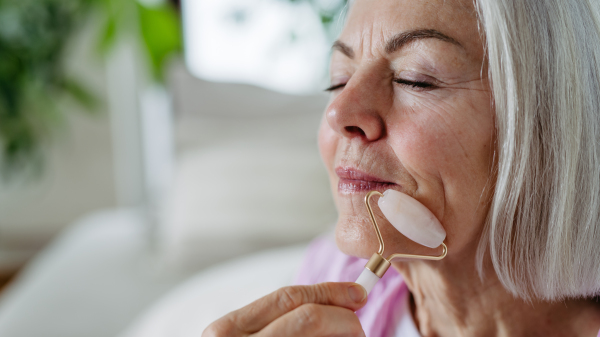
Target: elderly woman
(488,114)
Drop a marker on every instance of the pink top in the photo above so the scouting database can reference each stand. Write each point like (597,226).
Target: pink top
(386,313)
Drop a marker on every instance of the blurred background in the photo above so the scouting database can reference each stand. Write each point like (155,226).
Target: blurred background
(154,156)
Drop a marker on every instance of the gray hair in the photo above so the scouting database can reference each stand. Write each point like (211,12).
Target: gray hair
(543,230)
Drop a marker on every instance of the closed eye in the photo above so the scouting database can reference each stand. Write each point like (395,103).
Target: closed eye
(335,87)
(413,84)
(418,85)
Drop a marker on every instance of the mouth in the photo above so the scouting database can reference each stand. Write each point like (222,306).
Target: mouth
(355,181)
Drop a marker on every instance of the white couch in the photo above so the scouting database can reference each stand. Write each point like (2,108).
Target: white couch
(247,176)
(101,279)
(92,281)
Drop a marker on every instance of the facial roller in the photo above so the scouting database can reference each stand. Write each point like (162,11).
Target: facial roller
(410,218)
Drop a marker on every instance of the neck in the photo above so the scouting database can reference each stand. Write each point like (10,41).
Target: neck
(450,299)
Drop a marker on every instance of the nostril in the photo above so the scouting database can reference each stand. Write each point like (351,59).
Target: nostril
(355,130)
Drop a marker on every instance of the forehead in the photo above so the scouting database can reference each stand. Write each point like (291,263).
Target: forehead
(373,22)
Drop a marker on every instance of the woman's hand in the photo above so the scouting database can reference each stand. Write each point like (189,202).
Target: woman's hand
(325,309)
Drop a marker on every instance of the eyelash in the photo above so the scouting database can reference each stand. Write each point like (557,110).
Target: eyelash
(416,85)
(335,87)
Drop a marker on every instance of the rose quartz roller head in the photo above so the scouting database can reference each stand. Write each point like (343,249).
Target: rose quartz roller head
(410,218)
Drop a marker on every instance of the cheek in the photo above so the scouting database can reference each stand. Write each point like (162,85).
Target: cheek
(457,137)
(448,149)
(449,141)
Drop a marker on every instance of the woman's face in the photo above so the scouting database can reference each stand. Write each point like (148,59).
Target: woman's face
(410,110)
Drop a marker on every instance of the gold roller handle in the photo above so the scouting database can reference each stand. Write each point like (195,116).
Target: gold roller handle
(421,257)
(378,264)
(367,200)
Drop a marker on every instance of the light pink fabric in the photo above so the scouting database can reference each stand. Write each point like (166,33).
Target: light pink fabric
(325,263)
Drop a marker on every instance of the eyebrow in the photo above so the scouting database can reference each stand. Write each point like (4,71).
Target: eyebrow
(344,48)
(400,40)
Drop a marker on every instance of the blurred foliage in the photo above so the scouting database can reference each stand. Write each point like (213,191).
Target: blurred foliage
(33,38)
(157,27)
(330,11)
(161,33)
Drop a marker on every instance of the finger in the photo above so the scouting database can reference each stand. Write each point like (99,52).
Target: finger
(315,320)
(260,313)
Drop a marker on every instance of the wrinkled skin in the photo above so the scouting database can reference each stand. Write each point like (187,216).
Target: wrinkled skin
(417,118)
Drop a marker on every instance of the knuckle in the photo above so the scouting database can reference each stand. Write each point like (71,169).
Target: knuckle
(290,298)
(310,317)
(324,292)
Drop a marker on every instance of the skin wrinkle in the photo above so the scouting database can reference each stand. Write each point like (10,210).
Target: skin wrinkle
(457,138)
(439,112)
(404,38)
(400,40)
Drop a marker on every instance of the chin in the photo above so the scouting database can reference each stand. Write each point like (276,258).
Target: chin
(354,233)
(355,236)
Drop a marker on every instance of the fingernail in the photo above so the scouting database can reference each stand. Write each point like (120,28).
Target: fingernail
(357,293)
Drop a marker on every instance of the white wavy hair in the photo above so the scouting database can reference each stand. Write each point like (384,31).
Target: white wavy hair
(543,230)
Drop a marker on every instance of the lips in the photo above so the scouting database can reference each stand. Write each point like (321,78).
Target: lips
(355,181)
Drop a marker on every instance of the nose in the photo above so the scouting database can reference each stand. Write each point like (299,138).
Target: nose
(357,110)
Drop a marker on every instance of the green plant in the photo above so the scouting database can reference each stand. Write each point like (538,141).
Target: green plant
(158,28)
(33,37)
(32,40)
